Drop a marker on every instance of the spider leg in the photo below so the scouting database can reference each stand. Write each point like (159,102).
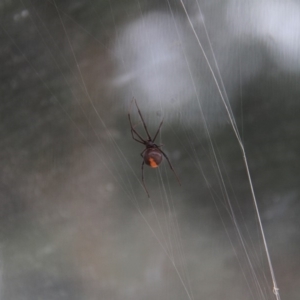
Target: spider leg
(166,157)
(143,178)
(143,153)
(134,131)
(158,130)
(144,124)
(140,140)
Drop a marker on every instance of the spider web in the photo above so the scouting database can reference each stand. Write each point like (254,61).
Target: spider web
(76,220)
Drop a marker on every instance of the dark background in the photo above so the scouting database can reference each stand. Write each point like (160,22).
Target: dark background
(75,220)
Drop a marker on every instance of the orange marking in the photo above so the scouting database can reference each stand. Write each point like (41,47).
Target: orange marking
(152,163)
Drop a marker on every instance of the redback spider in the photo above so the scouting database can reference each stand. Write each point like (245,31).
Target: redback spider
(152,155)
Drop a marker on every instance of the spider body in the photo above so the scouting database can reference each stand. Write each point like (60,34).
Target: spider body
(152,154)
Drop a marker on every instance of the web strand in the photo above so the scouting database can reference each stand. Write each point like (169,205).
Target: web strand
(235,129)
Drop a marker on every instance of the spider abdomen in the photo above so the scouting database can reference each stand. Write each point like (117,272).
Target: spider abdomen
(152,157)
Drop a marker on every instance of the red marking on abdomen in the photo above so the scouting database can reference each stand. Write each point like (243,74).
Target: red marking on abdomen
(152,163)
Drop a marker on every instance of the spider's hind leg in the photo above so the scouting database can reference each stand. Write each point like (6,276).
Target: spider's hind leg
(166,157)
(143,163)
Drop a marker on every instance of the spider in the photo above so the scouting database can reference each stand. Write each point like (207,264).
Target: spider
(152,155)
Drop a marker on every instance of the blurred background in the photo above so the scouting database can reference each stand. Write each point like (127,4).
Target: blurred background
(76,222)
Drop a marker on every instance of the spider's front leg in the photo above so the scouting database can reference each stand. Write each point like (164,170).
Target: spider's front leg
(132,132)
